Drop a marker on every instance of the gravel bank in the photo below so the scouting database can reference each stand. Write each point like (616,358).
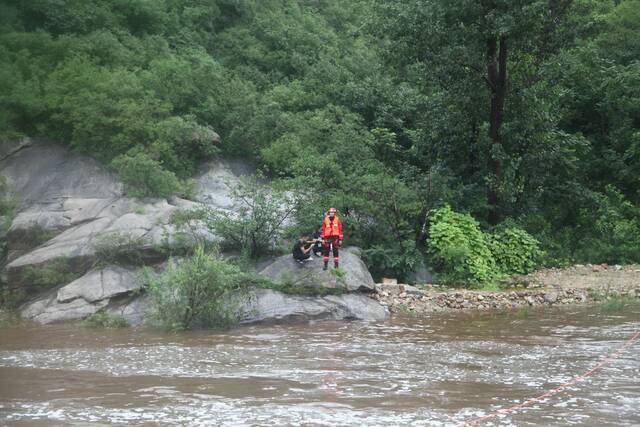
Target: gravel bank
(579,284)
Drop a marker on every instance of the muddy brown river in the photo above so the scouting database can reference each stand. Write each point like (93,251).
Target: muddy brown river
(440,370)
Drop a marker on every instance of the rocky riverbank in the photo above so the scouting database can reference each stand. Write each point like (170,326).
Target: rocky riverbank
(77,244)
(578,284)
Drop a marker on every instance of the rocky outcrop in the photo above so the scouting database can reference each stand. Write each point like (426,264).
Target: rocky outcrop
(98,285)
(356,277)
(82,297)
(70,205)
(216,179)
(74,212)
(269,305)
(43,172)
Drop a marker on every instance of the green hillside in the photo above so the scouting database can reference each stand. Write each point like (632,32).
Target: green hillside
(523,114)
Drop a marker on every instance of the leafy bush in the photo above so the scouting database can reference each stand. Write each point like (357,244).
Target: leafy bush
(8,205)
(53,273)
(308,284)
(459,249)
(190,231)
(102,319)
(256,225)
(36,235)
(144,176)
(515,251)
(610,229)
(397,259)
(119,248)
(203,291)
(35,279)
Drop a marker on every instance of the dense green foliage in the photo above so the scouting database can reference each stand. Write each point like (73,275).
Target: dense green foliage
(203,290)
(462,253)
(459,249)
(256,224)
(525,110)
(514,250)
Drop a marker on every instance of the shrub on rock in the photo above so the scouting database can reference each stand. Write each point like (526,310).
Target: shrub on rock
(202,291)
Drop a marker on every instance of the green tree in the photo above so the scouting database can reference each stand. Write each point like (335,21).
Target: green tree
(480,56)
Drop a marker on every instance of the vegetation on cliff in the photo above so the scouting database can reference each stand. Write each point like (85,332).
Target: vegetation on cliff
(518,110)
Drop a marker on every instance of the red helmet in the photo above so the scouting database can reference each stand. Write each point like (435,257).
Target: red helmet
(332,210)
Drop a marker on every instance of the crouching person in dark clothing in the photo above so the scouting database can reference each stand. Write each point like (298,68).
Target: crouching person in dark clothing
(317,242)
(302,249)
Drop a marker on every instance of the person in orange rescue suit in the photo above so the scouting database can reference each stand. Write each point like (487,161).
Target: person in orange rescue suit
(331,237)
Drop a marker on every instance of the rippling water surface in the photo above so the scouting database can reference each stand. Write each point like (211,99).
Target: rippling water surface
(440,370)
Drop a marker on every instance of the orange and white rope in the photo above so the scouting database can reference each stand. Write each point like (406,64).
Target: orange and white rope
(551,392)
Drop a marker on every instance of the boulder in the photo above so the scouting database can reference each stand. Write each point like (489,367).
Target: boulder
(132,309)
(47,310)
(269,305)
(42,172)
(69,203)
(99,285)
(82,297)
(142,226)
(217,178)
(356,275)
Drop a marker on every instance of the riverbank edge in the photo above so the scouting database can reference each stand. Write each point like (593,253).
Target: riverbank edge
(407,299)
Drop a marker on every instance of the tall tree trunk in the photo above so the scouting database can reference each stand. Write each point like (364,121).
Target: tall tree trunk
(497,82)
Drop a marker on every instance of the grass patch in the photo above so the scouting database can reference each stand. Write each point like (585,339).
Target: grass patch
(309,284)
(102,319)
(339,272)
(53,273)
(119,249)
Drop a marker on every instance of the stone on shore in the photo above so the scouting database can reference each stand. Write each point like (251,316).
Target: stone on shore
(309,273)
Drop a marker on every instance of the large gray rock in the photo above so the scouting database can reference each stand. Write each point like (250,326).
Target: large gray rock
(43,172)
(45,311)
(143,229)
(132,309)
(84,296)
(356,277)
(71,203)
(217,178)
(99,285)
(269,305)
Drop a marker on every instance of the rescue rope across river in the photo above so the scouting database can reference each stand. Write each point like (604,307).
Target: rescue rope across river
(553,391)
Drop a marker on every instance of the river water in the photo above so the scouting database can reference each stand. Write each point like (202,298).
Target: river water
(439,370)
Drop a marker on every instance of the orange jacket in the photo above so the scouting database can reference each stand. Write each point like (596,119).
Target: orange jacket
(332,228)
